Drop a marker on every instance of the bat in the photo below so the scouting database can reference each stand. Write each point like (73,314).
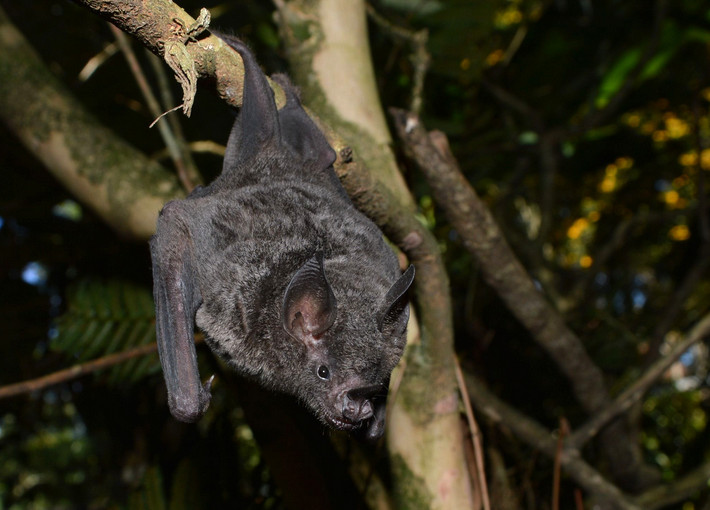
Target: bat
(290,283)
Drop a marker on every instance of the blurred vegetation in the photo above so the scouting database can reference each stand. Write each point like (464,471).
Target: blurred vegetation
(584,126)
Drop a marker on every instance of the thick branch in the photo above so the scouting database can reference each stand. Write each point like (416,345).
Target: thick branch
(119,183)
(332,63)
(168,31)
(501,269)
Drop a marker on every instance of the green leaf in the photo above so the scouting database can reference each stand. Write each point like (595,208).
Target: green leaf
(105,317)
(671,40)
(616,77)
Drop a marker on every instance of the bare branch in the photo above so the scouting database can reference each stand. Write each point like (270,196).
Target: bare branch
(675,305)
(420,56)
(539,438)
(154,106)
(635,391)
(167,30)
(191,174)
(676,491)
(40,383)
(500,268)
(476,437)
(123,186)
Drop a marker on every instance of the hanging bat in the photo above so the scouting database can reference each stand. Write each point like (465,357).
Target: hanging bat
(290,283)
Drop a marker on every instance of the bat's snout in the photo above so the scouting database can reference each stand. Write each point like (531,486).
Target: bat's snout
(356,409)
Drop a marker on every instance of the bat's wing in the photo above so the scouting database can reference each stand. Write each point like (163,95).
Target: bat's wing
(177,298)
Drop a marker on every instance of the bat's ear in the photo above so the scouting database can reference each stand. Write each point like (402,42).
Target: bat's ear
(258,122)
(395,312)
(299,132)
(309,305)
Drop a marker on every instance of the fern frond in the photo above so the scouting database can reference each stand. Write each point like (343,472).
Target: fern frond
(104,317)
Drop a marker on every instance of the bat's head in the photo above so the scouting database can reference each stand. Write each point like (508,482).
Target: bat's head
(350,354)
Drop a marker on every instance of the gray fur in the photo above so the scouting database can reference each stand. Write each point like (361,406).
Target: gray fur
(225,256)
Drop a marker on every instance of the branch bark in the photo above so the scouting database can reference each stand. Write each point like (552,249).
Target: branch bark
(40,383)
(633,393)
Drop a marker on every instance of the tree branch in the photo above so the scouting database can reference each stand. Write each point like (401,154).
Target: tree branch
(499,266)
(420,56)
(169,137)
(73,372)
(539,438)
(635,391)
(119,183)
(675,492)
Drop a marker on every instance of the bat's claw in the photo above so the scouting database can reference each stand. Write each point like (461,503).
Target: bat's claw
(208,384)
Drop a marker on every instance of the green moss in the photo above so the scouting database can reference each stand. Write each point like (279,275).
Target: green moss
(409,490)
(99,155)
(418,394)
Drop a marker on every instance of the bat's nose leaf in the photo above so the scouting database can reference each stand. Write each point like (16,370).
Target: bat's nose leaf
(358,403)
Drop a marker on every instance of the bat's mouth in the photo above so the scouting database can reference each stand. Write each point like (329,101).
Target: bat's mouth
(344,424)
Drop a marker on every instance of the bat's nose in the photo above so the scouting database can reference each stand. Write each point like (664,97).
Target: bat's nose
(357,404)
(357,409)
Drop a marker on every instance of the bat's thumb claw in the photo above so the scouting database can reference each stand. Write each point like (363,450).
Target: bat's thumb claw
(208,384)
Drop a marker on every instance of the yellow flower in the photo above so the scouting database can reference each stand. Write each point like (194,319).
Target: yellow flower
(494,57)
(676,128)
(679,233)
(688,159)
(576,229)
(671,197)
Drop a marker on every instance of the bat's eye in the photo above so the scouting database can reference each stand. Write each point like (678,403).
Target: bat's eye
(323,372)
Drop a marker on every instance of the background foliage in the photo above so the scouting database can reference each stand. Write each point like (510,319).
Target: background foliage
(583,125)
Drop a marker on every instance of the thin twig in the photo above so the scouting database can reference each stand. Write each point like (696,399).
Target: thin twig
(578,501)
(674,306)
(635,391)
(475,435)
(198,146)
(420,56)
(679,489)
(97,61)
(40,383)
(167,98)
(154,106)
(563,431)
(500,268)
